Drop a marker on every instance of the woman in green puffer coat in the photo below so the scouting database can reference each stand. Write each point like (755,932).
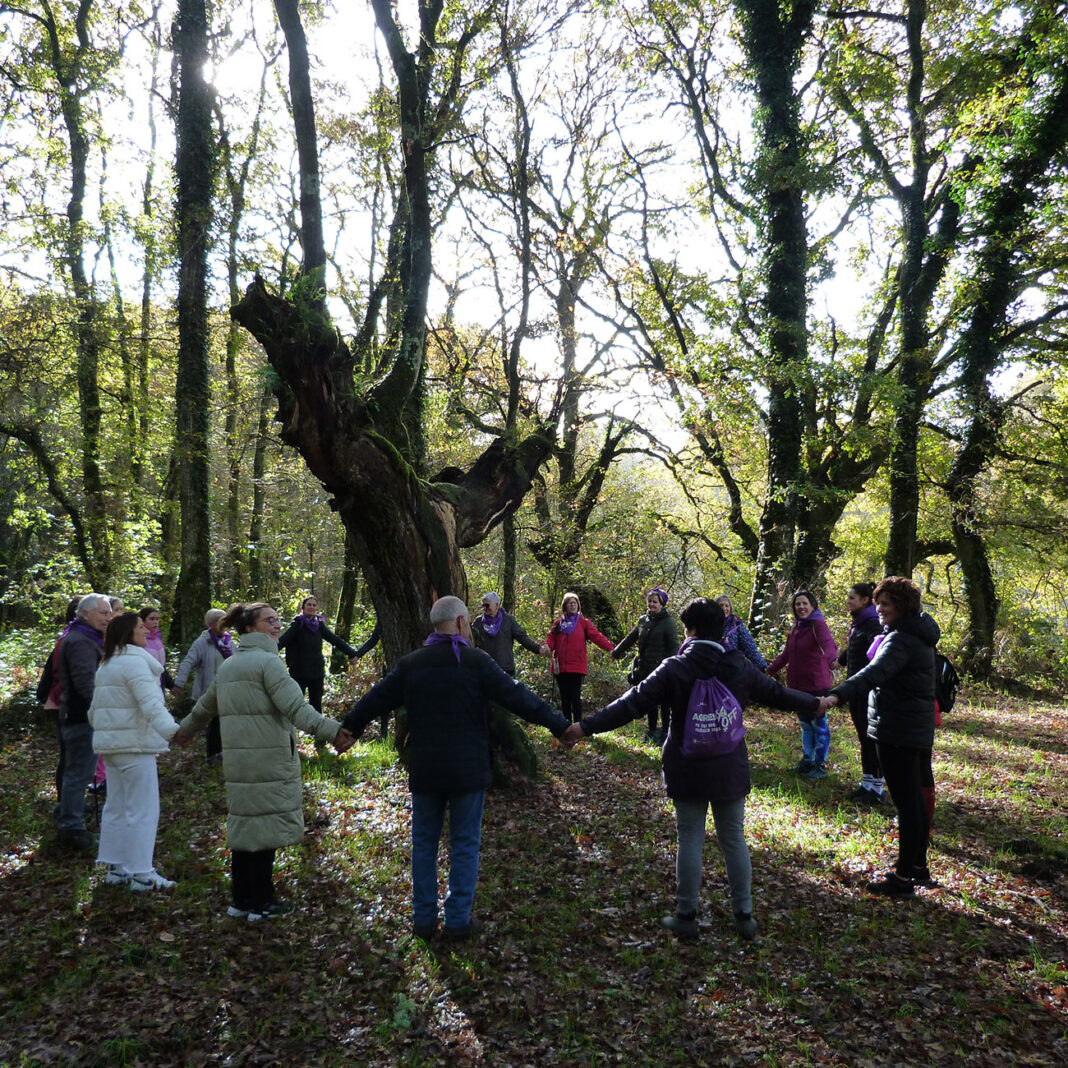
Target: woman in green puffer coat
(259,706)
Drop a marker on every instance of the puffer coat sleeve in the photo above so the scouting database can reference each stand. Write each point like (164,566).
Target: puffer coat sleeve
(128,713)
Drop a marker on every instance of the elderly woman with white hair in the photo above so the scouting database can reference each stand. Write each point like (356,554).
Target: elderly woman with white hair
(202,661)
(496,631)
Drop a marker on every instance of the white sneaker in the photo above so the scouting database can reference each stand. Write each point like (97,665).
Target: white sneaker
(149,880)
(116,875)
(237,914)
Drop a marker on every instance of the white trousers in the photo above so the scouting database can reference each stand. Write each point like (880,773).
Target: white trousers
(130,818)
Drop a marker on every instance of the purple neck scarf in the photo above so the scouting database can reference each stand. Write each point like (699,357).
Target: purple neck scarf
(569,622)
(862,615)
(88,628)
(492,626)
(874,647)
(311,623)
(222,645)
(456,640)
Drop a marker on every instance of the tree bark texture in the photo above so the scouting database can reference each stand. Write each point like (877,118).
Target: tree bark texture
(773,37)
(194,170)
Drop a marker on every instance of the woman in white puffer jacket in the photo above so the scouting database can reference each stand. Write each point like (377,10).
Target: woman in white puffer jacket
(131,726)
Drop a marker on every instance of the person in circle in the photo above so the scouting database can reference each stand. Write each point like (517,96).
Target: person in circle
(736,634)
(657,638)
(303,645)
(808,657)
(566,642)
(496,631)
(863,630)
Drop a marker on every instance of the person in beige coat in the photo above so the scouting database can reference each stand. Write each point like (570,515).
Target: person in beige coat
(259,708)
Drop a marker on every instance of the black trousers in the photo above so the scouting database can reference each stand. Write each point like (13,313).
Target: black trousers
(869,755)
(314,690)
(905,771)
(214,737)
(570,685)
(252,874)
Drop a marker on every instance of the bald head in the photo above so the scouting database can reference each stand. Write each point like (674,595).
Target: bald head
(446,614)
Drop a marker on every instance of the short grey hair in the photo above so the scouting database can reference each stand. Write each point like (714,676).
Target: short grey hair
(211,615)
(493,598)
(91,602)
(446,609)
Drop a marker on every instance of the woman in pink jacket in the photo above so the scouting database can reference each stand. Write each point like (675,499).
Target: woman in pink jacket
(567,642)
(808,657)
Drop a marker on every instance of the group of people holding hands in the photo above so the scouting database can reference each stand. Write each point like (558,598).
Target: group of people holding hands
(445,688)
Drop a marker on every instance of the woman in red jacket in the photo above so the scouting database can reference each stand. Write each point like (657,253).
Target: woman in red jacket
(567,642)
(808,657)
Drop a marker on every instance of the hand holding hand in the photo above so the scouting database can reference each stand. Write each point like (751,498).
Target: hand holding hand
(343,740)
(182,739)
(827,703)
(572,736)
(545,650)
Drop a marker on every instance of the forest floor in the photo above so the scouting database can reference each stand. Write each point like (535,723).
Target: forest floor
(573,968)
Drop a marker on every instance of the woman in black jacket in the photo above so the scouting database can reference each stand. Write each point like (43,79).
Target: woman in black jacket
(694,784)
(863,630)
(303,643)
(901,721)
(657,639)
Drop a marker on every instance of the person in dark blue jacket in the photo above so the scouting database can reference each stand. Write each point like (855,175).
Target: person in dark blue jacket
(863,630)
(900,681)
(445,688)
(303,643)
(736,634)
(721,782)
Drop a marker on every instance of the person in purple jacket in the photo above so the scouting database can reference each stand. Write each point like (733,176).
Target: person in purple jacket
(696,784)
(808,657)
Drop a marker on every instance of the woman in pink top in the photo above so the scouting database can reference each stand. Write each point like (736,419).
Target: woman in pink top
(154,643)
(808,657)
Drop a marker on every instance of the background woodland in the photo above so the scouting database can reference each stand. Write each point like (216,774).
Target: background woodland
(423,298)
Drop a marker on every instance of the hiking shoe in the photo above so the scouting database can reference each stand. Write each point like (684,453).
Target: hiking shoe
(116,875)
(804,766)
(892,885)
(682,925)
(864,796)
(424,931)
(80,841)
(473,929)
(819,771)
(236,913)
(271,911)
(745,925)
(142,881)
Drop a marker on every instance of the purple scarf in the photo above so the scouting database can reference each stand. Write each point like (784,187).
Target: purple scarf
(222,645)
(88,628)
(154,646)
(492,626)
(862,615)
(569,622)
(311,623)
(874,647)
(456,640)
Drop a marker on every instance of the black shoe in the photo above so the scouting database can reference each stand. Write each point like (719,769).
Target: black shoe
(923,877)
(745,925)
(683,926)
(892,885)
(424,931)
(804,766)
(79,841)
(460,934)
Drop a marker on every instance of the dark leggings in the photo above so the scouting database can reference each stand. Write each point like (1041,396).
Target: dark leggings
(252,874)
(869,755)
(314,688)
(665,717)
(905,771)
(570,683)
(214,737)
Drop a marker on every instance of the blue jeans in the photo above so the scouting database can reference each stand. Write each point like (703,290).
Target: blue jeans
(465,842)
(816,740)
(78,771)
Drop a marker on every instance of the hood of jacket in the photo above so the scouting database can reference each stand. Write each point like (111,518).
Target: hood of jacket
(702,655)
(922,627)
